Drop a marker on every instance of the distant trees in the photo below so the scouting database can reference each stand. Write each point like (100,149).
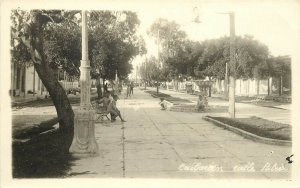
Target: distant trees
(182,58)
(280,67)
(152,73)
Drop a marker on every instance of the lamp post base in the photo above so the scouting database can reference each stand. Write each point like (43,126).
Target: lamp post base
(84,141)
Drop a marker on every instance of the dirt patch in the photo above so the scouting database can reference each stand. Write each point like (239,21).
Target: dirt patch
(169,98)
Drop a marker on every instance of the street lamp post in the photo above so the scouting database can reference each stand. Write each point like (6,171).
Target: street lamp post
(84,142)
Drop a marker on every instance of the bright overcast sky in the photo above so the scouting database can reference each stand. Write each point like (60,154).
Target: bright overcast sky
(274,24)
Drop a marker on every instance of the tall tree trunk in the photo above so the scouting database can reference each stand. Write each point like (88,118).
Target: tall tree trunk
(257,86)
(209,88)
(268,86)
(61,102)
(280,86)
(99,89)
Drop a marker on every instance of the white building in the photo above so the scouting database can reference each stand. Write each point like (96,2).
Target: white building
(25,82)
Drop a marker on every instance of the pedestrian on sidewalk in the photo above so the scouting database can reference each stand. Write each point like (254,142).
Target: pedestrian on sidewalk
(113,110)
(128,91)
(105,87)
(131,88)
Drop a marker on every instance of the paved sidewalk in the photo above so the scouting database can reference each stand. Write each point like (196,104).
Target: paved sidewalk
(242,109)
(165,144)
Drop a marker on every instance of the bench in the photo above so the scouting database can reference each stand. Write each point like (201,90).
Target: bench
(101,112)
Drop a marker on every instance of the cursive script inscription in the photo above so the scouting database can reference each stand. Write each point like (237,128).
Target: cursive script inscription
(249,167)
(269,167)
(198,167)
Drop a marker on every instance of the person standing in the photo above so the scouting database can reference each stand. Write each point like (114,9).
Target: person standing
(105,87)
(128,91)
(131,88)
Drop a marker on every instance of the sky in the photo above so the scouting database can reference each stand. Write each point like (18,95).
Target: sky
(275,24)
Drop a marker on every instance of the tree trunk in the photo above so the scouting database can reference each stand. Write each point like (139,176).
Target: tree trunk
(268,86)
(61,102)
(280,86)
(257,86)
(99,90)
(209,88)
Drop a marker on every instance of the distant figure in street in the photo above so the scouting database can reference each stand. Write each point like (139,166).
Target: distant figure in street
(105,87)
(163,104)
(201,103)
(131,88)
(128,91)
(114,111)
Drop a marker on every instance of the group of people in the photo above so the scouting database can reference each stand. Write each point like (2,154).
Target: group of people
(202,103)
(109,102)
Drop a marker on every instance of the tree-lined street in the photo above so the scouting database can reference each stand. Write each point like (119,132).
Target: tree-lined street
(97,50)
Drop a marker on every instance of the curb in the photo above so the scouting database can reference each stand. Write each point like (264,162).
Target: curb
(248,134)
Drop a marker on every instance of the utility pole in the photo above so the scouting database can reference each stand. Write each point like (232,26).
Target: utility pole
(84,142)
(226,82)
(231,109)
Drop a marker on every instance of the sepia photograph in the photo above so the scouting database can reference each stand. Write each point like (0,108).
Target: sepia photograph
(184,90)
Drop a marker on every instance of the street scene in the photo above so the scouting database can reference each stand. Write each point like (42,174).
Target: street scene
(201,94)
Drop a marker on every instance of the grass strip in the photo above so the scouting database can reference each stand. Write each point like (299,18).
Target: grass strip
(259,126)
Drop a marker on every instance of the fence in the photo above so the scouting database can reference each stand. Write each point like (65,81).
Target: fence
(242,87)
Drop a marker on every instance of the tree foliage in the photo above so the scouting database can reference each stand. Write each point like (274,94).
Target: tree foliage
(249,55)
(113,42)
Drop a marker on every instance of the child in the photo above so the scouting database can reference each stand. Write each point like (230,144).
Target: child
(163,104)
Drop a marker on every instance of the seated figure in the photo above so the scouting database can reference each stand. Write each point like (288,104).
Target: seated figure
(201,103)
(105,101)
(163,104)
(113,110)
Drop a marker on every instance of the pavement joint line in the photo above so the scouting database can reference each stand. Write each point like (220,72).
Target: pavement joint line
(221,147)
(154,123)
(123,147)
